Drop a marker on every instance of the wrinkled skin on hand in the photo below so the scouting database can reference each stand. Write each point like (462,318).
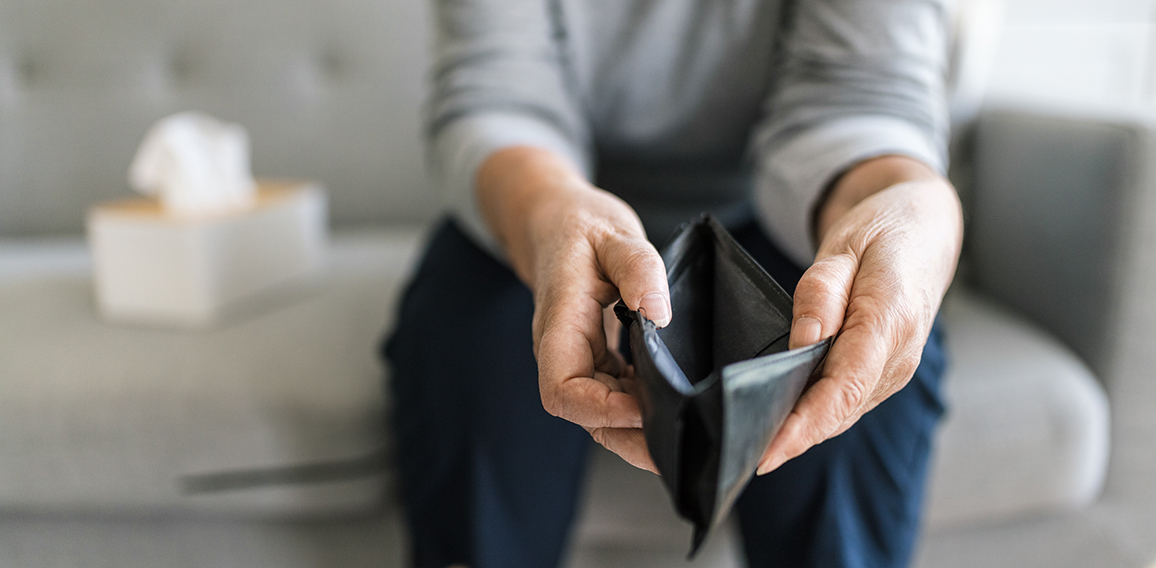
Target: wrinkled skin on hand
(877,282)
(579,249)
(594,252)
(890,232)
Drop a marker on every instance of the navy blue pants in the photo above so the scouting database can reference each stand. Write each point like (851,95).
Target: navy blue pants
(490,480)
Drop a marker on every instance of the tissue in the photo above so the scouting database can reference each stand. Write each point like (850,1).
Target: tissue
(196,165)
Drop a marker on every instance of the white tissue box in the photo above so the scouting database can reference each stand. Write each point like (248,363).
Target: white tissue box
(151,267)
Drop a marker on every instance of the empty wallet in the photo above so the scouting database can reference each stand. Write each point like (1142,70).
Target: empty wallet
(717,383)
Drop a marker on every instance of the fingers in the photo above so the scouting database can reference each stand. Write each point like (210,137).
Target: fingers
(876,283)
(820,305)
(610,381)
(850,376)
(851,369)
(821,299)
(628,443)
(592,403)
(575,336)
(572,388)
(634,266)
(576,369)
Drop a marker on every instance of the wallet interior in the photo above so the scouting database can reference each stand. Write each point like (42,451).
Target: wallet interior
(727,308)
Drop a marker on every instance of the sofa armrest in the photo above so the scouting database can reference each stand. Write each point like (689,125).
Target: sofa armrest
(1051,217)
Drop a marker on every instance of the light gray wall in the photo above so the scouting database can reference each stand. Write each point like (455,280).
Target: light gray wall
(329,89)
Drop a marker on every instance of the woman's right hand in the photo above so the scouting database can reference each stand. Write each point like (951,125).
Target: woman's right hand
(580,249)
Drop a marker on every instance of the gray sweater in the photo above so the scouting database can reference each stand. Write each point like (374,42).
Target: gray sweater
(681,105)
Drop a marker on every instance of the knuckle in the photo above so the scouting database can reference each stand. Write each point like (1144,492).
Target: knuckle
(599,435)
(633,257)
(812,285)
(853,395)
(905,365)
(924,307)
(836,267)
(868,312)
(825,279)
(909,322)
(904,320)
(550,403)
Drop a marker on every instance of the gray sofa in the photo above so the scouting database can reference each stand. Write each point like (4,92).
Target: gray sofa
(263,442)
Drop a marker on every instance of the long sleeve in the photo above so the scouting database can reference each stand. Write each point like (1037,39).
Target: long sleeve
(499,80)
(856,79)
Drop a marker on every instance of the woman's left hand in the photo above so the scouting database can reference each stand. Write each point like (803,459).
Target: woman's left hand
(890,235)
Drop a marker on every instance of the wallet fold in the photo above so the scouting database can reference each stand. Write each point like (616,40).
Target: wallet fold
(718,382)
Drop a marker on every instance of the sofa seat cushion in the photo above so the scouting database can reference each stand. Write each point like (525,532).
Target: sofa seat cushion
(279,411)
(1027,428)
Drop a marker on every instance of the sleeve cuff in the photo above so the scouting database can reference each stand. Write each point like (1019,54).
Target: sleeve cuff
(461,147)
(794,175)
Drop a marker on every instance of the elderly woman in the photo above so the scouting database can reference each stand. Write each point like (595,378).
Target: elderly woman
(567,132)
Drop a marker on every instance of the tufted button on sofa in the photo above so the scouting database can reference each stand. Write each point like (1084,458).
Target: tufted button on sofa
(264,441)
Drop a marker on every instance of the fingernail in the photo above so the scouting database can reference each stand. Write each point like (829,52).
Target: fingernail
(657,309)
(770,465)
(806,331)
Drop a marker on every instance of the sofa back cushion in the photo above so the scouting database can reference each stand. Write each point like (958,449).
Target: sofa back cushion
(1052,222)
(329,90)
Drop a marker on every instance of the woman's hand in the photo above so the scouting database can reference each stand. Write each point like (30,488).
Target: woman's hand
(579,249)
(890,235)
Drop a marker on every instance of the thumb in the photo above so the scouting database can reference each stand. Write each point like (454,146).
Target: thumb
(821,299)
(633,265)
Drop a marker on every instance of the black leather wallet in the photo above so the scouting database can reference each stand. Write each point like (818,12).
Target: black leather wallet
(718,382)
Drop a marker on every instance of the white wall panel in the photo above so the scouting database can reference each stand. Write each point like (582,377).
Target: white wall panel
(1099,65)
(1083,54)
(1078,11)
